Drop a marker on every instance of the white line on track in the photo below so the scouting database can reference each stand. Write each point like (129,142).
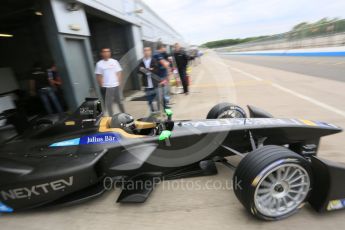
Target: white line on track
(296,94)
(311,100)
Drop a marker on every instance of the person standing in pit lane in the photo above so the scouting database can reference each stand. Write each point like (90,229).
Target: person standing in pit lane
(181,60)
(163,72)
(150,82)
(109,76)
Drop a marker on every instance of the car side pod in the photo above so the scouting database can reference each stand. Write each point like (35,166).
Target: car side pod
(328,191)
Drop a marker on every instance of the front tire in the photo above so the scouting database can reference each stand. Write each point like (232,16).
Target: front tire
(226,110)
(272,182)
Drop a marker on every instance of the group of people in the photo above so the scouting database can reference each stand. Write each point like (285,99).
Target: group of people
(155,70)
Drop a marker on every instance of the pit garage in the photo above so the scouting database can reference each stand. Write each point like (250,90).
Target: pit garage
(23,44)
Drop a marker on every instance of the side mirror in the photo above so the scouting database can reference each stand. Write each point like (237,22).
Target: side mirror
(255,112)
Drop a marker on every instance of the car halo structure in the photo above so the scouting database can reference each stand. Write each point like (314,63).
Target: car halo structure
(67,162)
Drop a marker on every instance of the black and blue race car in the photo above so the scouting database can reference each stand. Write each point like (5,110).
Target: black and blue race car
(81,155)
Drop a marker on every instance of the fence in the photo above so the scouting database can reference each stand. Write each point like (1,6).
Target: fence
(323,35)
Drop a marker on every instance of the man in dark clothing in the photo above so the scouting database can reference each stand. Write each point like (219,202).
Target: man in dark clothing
(56,82)
(163,71)
(181,60)
(40,84)
(149,81)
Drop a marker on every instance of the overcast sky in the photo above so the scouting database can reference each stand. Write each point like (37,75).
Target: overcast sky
(199,21)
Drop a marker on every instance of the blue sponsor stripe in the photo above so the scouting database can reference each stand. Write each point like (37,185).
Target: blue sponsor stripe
(5,208)
(100,138)
(305,54)
(70,142)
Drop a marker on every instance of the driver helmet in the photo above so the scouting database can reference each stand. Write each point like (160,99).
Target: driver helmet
(123,121)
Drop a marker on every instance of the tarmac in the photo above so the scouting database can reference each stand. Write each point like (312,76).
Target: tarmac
(180,204)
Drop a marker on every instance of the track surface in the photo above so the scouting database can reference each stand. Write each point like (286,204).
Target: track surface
(277,84)
(323,67)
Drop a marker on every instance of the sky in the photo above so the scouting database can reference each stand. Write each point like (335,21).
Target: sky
(199,21)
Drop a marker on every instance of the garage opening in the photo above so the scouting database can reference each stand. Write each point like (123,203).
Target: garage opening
(23,45)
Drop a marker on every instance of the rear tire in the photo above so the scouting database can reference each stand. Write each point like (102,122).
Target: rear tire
(272,182)
(226,110)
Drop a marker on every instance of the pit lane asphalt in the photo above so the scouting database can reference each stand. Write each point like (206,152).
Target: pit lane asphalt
(282,92)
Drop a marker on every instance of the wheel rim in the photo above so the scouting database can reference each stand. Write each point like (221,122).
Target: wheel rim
(282,190)
(231,114)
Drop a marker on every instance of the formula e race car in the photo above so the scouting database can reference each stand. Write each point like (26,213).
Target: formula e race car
(78,157)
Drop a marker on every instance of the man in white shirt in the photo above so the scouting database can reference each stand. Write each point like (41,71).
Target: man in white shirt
(109,74)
